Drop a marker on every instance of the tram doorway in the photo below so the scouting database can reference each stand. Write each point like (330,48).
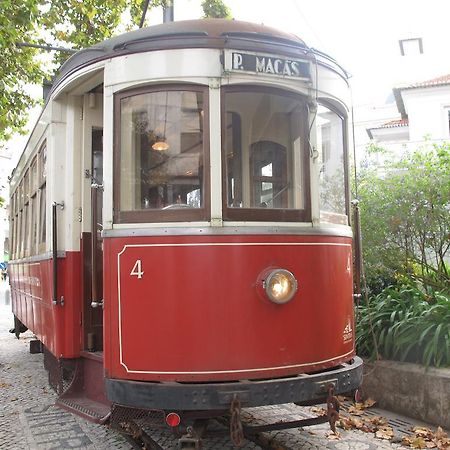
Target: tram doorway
(93,252)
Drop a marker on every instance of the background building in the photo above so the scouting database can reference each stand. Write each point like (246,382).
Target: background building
(416,111)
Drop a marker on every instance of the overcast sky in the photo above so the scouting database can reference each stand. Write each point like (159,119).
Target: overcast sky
(363,36)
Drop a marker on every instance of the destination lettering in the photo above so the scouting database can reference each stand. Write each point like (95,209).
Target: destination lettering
(269,65)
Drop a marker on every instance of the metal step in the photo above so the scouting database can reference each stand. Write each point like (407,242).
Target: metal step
(89,409)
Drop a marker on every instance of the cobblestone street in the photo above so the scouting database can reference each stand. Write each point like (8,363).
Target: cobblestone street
(29,419)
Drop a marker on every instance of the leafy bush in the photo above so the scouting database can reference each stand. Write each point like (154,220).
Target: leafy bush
(407,324)
(404,219)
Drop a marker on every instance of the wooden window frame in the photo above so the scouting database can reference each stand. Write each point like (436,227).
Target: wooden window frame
(269,214)
(41,191)
(175,215)
(346,161)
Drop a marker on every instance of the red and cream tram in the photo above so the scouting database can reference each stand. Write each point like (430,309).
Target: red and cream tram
(180,223)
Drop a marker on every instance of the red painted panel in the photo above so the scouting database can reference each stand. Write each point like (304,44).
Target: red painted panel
(58,327)
(194,312)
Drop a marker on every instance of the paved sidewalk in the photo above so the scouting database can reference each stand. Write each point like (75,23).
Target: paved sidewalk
(29,419)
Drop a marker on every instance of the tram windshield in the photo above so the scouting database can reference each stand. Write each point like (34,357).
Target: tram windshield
(266,155)
(161,153)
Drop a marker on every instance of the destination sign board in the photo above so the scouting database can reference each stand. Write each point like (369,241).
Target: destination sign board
(266,64)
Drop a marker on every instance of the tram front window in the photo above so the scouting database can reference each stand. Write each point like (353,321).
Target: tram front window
(162,155)
(265,155)
(332,176)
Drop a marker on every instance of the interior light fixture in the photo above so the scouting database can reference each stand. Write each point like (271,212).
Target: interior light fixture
(160,145)
(161,141)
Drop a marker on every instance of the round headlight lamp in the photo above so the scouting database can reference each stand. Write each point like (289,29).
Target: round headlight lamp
(280,285)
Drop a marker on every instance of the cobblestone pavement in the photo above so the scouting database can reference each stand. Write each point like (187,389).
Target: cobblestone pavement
(29,419)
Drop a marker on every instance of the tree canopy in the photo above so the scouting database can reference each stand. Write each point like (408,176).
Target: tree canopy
(68,23)
(19,65)
(216,9)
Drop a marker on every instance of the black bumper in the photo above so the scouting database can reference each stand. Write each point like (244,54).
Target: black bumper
(303,388)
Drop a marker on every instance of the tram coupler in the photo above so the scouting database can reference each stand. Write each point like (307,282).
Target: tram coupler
(236,428)
(332,408)
(193,437)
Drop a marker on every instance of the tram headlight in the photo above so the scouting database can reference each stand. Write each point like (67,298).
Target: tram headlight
(280,285)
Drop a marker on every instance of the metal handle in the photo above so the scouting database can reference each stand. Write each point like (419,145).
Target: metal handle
(97,186)
(55,299)
(95,304)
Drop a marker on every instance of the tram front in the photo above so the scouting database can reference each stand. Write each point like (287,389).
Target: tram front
(227,246)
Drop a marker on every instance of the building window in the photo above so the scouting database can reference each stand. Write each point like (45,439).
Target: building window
(411,47)
(448,121)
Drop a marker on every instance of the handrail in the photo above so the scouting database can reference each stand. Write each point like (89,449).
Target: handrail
(357,248)
(55,299)
(95,300)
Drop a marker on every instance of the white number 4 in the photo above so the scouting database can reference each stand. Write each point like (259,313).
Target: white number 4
(137,269)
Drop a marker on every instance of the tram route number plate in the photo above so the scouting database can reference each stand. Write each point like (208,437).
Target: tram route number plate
(266,64)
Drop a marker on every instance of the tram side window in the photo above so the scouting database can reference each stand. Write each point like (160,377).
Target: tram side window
(332,175)
(162,155)
(33,206)
(265,155)
(28,210)
(16,224)
(41,195)
(26,214)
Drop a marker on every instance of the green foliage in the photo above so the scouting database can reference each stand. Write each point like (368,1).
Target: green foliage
(216,9)
(404,220)
(408,325)
(19,66)
(80,24)
(70,23)
(373,149)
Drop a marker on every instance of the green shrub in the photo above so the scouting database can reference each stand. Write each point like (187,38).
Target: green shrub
(407,324)
(405,219)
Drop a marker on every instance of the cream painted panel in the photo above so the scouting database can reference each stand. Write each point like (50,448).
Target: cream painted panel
(142,67)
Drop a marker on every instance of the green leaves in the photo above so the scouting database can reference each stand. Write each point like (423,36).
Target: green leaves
(19,65)
(216,9)
(69,23)
(408,324)
(404,219)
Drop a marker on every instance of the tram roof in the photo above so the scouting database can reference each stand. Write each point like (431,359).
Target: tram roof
(202,33)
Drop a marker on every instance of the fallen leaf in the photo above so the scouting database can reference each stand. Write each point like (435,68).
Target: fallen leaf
(384,433)
(418,442)
(334,436)
(440,434)
(369,403)
(319,411)
(422,431)
(378,421)
(356,410)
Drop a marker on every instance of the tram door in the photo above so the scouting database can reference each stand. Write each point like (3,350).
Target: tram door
(94,308)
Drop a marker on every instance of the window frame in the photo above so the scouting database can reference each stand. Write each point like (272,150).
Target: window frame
(345,143)
(41,196)
(269,214)
(174,215)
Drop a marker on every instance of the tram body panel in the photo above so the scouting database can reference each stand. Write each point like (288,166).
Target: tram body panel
(189,309)
(57,327)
